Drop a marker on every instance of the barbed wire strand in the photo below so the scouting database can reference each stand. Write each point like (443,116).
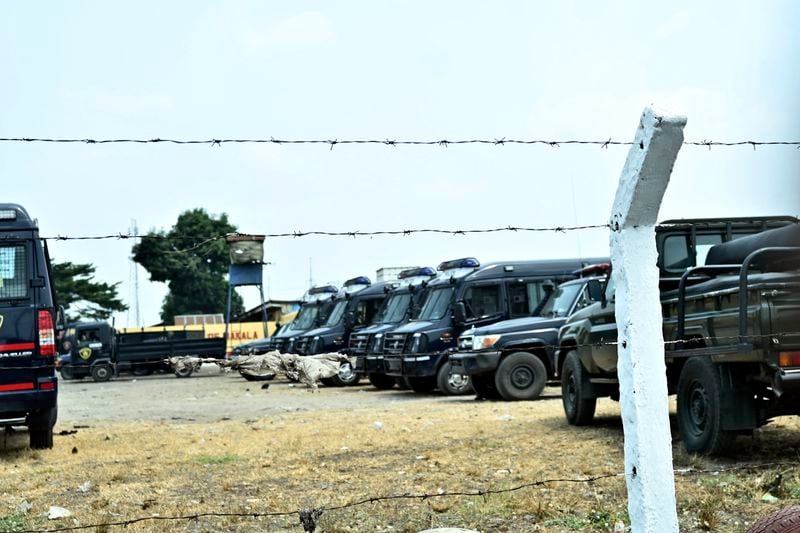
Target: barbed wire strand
(386,142)
(313,514)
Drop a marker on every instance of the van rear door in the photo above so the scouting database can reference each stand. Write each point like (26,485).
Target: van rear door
(18,339)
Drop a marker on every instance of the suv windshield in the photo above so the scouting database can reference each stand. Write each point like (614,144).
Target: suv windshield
(336,314)
(436,304)
(561,301)
(13,272)
(305,318)
(395,309)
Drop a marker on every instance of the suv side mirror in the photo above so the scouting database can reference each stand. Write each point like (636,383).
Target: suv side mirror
(349,320)
(459,313)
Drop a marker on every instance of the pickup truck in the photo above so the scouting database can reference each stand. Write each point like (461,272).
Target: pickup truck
(96,349)
(28,383)
(514,359)
(731,335)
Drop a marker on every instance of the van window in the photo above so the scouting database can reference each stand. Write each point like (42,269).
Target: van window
(524,298)
(482,301)
(366,310)
(13,272)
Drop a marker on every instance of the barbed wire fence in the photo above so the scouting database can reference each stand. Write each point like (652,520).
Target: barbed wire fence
(385,142)
(309,516)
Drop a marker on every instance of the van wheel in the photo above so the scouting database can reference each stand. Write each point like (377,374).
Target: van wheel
(381,381)
(700,409)
(40,428)
(101,373)
(520,376)
(484,388)
(422,385)
(578,408)
(452,384)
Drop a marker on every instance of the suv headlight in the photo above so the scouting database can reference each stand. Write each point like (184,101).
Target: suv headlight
(482,342)
(376,346)
(419,343)
(315,345)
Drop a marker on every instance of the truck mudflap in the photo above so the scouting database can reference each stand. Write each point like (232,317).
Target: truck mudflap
(738,408)
(472,363)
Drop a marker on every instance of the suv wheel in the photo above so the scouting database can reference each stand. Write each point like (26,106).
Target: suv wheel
(700,409)
(101,373)
(578,408)
(346,376)
(184,372)
(452,384)
(520,376)
(40,428)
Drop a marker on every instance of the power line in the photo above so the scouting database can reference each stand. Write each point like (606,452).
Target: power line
(386,142)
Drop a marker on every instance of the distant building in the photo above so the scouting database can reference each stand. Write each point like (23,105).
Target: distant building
(389,273)
(199,320)
(275,310)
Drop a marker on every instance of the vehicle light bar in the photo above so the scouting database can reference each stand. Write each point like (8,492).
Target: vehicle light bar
(596,269)
(466,262)
(325,289)
(789,359)
(360,280)
(416,272)
(8,214)
(47,334)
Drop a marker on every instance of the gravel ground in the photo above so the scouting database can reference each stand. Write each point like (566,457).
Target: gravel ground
(211,395)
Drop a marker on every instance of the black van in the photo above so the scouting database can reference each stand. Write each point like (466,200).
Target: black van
(464,295)
(316,307)
(28,384)
(354,308)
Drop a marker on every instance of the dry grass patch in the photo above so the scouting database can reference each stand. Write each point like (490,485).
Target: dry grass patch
(324,459)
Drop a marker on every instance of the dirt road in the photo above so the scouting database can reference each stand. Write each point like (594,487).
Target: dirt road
(210,396)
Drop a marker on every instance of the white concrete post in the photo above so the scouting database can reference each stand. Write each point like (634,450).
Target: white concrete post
(641,368)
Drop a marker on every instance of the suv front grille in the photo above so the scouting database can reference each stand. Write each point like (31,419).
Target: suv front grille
(394,343)
(302,345)
(358,343)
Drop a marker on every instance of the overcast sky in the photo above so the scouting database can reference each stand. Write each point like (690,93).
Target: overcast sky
(398,70)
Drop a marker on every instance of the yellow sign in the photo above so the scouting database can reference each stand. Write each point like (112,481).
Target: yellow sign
(85,352)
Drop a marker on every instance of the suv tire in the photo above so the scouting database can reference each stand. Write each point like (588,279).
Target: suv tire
(40,428)
(101,373)
(700,409)
(67,373)
(578,408)
(520,376)
(450,386)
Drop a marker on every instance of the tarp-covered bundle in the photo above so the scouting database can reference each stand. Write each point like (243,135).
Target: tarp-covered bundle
(309,370)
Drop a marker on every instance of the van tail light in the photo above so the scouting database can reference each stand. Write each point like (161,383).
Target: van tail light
(47,334)
(789,359)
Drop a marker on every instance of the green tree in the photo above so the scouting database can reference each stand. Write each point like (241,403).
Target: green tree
(193,261)
(81,296)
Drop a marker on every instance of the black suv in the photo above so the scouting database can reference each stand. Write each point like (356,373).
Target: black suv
(28,384)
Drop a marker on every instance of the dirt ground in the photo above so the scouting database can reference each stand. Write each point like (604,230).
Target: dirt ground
(160,447)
